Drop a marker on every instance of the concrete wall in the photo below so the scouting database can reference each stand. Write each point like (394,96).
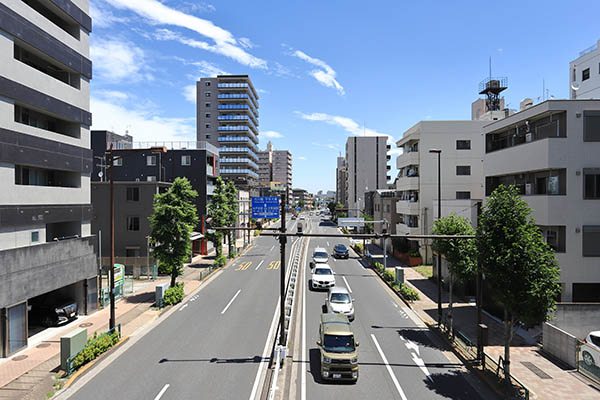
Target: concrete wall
(30,271)
(560,344)
(578,319)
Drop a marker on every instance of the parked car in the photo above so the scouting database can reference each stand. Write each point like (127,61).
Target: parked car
(338,348)
(593,341)
(293,217)
(340,251)
(320,256)
(54,313)
(339,302)
(322,277)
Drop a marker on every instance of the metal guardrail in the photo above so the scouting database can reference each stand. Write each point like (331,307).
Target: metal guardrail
(70,360)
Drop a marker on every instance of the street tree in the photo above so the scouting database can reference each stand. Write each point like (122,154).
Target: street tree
(232,212)
(171,226)
(218,214)
(461,254)
(519,266)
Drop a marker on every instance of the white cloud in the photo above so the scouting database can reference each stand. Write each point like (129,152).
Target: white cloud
(271,134)
(224,42)
(302,158)
(208,69)
(325,75)
(246,43)
(117,60)
(114,95)
(263,91)
(189,92)
(102,17)
(332,146)
(143,125)
(197,7)
(349,125)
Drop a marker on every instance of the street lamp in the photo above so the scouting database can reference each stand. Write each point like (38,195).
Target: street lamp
(439,256)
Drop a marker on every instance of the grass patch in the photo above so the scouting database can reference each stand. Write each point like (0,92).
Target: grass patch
(425,270)
(49,395)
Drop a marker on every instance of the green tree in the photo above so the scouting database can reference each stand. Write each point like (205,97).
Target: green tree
(519,266)
(368,226)
(331,206)
(171,226)
(232,213)
(218,214)
(461,254)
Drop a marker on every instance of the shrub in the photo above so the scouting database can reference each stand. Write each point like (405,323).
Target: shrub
(173,295)
(388,276)
(164,269)
(414,253)
(232,254)
(407,292)
(358,247)
(379,267)
(256,232)
(93,350)
(219,261)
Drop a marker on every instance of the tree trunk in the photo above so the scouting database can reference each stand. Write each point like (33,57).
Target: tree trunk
(507,339)
(218,247)
(450,322)
(173,276)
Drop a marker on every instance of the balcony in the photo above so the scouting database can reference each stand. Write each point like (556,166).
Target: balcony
(237,107)
(408,207)
(251,131)
(406,159)
(239,96)
(238,150)
(239,160)
(406,183)
(403,229)
(239,171)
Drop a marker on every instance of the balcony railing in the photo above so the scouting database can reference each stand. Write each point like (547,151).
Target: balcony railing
(239,139)
(239,150)
(239,171)
(238,161)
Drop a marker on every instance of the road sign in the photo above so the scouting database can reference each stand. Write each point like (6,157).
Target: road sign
(358,222)
(265,207)
(297,208)
(119,272)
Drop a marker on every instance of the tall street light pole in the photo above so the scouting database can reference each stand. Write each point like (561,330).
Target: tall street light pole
(111,267)
(439,255)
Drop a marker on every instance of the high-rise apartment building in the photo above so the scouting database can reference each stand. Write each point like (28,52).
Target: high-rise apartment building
(46,249)
(341,178)
(366,163)
(227,117)
(584,74)
(275,168)
(550,152)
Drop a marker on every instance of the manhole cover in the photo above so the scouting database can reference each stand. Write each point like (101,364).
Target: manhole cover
(530,366)
(85,325)
(19,358)
(43,345)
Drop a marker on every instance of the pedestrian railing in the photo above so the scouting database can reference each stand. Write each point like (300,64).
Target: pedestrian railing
(588,361)
(70,361)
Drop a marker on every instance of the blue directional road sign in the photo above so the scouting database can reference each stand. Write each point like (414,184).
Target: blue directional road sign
(297,208)
(265,207)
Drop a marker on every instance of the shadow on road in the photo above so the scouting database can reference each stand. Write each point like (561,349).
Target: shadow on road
(419,336)
(216,360)
(452,385)
(145,297)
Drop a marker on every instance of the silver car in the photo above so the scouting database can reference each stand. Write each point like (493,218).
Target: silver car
(320,256)
(339,301)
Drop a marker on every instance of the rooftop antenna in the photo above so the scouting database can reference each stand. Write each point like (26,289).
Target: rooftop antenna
(491,88)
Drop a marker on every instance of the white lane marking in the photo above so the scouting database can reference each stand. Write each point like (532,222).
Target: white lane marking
(272,247)
(411,345)
(264,353)
(347,285)
(230,301)
(303,370)
(162,391)
(389,369)
(417,357)
(183,306)
(259,264)
(327,244)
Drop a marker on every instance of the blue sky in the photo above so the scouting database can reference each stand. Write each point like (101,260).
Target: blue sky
(326,69)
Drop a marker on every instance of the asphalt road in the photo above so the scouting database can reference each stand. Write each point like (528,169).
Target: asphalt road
(211,348)
(397,358)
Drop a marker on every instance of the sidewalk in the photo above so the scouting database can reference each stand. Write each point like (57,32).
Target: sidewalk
(544,378)
(29,373)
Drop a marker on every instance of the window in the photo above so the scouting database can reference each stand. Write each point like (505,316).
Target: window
(150,161)
(49,68)
(26,116)
(206,94)
(207,105)
(591,126)
(208,136)
(463,145)
(35,237)
(555,236)
(207,126)
(586,292)
(132,251)
(133,194)
(585,74)
(186,160)
(591,183)
(591,241)
(206,83)
(207,115)
(463,195)
(118,162)
(574,74)
(151,178)
(463,170)
(133,223)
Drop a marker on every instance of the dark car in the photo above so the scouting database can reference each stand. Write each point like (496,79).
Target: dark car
(54,313)
(340,251)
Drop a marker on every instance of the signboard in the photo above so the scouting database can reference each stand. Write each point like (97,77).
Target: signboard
(358,222)
(297,208)
(119,272)
(265,207)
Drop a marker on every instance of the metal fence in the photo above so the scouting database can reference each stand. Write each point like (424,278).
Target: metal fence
(588,361)
(122,288)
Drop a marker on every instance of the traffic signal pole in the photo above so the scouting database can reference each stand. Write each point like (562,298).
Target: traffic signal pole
(282,242)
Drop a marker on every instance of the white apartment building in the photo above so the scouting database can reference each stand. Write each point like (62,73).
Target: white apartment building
(461,158)
(584,74)
(46,249)
(367,169)
(551,152)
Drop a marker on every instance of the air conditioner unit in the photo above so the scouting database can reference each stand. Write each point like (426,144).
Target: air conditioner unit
(528,188)
(528,137)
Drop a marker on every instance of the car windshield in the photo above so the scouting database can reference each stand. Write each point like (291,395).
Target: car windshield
(320,254)
(343,298)
(340,247)
(338,344)
(322,271)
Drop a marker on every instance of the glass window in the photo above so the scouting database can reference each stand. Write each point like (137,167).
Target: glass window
(151,178)
(35,237)
(150,161)
(207,115)
(133,194)
(591,126)
(208,136)
(206,83)
(463,170)
(118,162)
(591,183)
(133,223)
(17,327)
(186,160)
(591,241)
(585,74)
(463,195)
(207,94)
(207,126)
(555,236)
(463,145)
(207,105)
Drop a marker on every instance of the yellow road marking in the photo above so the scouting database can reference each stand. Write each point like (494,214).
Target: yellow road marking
(244,266)
(274,265)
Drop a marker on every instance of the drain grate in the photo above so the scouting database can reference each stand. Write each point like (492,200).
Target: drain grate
(530,366)
(19,358)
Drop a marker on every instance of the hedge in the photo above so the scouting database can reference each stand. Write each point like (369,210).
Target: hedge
(388,276)
(94,347)
(358,247)
(407,292)
(219,261)
(173,295)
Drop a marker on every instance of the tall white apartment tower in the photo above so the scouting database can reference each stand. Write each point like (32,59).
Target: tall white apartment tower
(46,250)
(584,74)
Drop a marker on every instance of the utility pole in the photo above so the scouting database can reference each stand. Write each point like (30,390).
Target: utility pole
(439,255)
(111,267)
(479,298)
(282,242)
(100,262)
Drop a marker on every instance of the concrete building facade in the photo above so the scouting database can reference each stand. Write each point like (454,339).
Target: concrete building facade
(45,162)
(275,168)
(227,117)
(462,149)
(550,152)
(341,181)
(584,74)
(366,163)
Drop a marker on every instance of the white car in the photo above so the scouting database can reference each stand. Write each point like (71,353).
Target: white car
(322,277)
(320,256)
(593,341)
(339,302)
